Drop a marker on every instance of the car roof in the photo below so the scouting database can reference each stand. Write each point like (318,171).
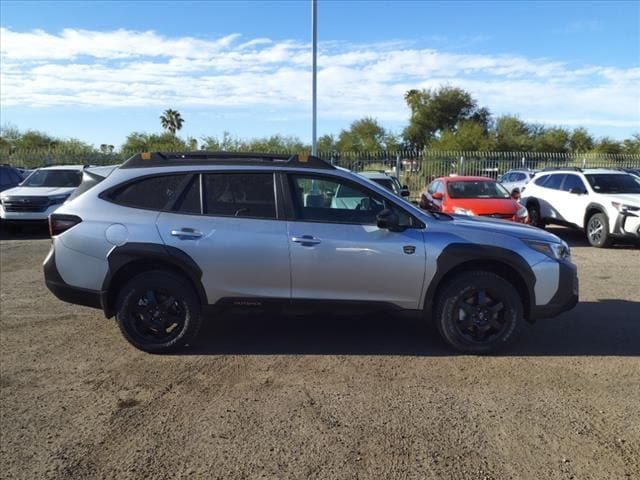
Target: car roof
(374,174)
(467,178)
(63,167)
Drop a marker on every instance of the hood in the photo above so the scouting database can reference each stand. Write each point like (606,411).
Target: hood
(626,198)
(502,227)
(37,191)
(485,206)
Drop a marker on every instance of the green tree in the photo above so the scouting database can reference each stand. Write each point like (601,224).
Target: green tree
(632,145)
(554,139)
(439,110)
(608,145)
(470,136)
(365,135)
(171,121)
(512,135)
(580,141)
(326,143)
(137,142)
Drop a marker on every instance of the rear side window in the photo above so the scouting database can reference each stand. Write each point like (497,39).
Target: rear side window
(540,181)
(154,193)
(240,195)
(554,181)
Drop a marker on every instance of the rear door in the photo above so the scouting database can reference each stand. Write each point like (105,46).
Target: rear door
(339,253)
(228,223)
(572,206)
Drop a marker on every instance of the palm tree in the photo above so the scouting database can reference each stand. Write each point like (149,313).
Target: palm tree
(171,121)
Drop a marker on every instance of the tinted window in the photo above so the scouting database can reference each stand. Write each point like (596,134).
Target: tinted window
(613,183)
(190,200)
(507,177)
(385,182)
(321,199)
(7,178)
(573,181)
(54,178)
(240,195)
(155,193)
(476,189)
(541,180)
(518,177)
(554,181)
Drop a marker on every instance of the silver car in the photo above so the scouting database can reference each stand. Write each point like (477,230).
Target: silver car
(168,239)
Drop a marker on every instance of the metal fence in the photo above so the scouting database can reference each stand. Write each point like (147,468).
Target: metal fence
(415,168)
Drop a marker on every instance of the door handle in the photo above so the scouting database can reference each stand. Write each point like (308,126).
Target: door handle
(306,240)
(186,233)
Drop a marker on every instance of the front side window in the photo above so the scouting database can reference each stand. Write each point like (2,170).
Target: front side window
(54,178)
(239,195)
(332,200)
(154,193)
(573,182)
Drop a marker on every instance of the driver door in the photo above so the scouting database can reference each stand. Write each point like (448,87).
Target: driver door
(338,252)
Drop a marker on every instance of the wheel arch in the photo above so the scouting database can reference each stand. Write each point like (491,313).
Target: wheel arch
(129,260)
(461,258)
(591,210)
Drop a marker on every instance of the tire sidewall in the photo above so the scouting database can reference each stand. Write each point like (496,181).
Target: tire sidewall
(180,289)
(605,237)
(497,287)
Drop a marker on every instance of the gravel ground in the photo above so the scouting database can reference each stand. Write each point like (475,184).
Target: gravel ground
(322,398)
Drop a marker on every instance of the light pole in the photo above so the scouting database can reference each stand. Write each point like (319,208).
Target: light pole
(314,75)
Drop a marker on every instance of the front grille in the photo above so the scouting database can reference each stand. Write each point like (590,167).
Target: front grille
(25,204)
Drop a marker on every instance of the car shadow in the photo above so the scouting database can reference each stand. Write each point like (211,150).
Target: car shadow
(603,328)
(576,238)
(28,232)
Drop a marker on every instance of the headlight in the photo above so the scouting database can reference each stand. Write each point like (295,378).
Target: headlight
(463,211)
(522,212)
(557,251)
(622,208)
(58,198)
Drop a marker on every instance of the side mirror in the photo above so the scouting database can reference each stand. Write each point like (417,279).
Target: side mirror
(577,191)
(436,195)
(388,220)
(405,191)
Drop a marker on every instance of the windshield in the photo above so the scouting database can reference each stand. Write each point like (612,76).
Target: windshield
(613,183)
(53,178)
(477,189)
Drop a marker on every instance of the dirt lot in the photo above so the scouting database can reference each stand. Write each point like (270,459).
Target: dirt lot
(320,398)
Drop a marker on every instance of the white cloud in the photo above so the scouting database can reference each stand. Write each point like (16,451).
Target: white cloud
(129,68)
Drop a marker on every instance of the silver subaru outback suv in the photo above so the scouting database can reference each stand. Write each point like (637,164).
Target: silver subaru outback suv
(168,239)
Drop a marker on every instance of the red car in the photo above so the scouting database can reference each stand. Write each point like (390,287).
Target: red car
(480,196)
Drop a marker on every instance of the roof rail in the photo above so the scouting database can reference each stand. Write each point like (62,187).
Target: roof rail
(569,169)
(163,159)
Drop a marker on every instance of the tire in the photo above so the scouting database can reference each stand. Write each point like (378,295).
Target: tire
(479,312)
(150,320)
(598,231)
(535,217)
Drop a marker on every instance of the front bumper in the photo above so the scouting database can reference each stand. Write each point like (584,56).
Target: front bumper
(565,298)
(65,292)
(627,225)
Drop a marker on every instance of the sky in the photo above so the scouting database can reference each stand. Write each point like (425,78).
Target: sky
(97,71)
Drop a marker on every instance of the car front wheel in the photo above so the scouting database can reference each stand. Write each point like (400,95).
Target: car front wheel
(479,312)
(158,312)
(598,231)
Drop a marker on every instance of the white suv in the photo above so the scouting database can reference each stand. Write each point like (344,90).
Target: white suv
(603,203)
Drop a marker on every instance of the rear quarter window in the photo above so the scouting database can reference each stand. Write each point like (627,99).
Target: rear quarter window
(153,193)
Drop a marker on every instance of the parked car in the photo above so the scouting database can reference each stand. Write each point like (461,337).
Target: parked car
(480,196)
(167,237)
(389,182)
(39,195)
(603,203)
(9,177)
(515,180)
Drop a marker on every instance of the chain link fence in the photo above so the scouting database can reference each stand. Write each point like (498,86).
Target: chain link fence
(414,168)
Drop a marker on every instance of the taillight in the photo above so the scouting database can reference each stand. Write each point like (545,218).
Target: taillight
(59,223)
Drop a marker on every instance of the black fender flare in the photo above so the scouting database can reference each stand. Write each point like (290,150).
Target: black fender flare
(148,254)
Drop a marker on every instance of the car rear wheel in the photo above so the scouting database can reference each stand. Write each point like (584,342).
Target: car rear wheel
(158,312)
(479,312)
(598,231)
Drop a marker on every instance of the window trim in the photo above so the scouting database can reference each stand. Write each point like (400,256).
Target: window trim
(286,186)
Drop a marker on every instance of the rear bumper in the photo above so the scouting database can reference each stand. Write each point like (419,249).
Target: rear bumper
(565,298)
(64,291)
